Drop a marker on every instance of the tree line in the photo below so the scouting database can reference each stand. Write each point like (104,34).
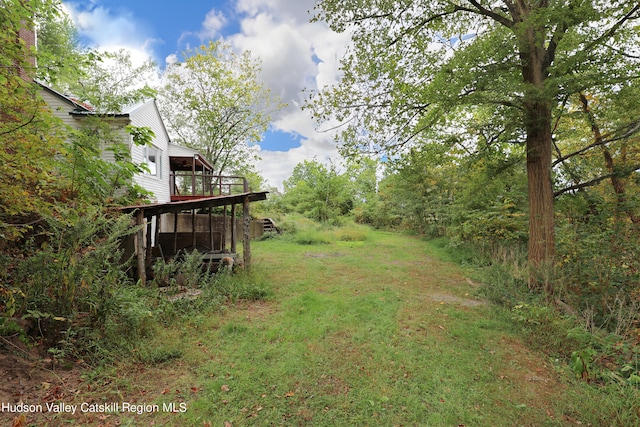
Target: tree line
(510,126)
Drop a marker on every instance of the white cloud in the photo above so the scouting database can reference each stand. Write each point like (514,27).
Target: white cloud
(109,32)
(276,166)
(295,55)
(210,28)
(213,23)
(171,59)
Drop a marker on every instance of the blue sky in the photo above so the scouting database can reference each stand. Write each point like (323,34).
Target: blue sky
(295,55)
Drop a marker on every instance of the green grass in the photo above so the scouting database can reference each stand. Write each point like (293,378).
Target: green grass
(374,329)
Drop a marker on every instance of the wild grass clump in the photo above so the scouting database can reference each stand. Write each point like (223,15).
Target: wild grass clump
(312,237)
(352,233)
(74,295)
(268,235)
(502,287)
(303,231)
(76,269)
(232,287)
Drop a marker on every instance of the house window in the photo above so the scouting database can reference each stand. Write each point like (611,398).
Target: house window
(153,159)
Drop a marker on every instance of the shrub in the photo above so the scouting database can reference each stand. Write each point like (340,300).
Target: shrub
(78,269)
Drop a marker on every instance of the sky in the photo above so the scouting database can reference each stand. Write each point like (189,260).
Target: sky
(296,55)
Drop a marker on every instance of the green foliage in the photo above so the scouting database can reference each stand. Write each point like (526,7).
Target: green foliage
(164,273)
(43,166)
(61,252)
(96,180)
(111,82)
(31,141)
(312,237)
(352,234)
(318,192)
(214,102)
(191,268)
(581,361)
(598,263)
(436,79)
(78,268)
(58,47)
(188,272)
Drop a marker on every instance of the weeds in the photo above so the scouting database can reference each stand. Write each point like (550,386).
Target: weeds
(75,293)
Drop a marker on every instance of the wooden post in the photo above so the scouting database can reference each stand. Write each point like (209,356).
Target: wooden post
(193,228)
(147,262)
(142,272)
(246,238)
(211,247)
(175,233)
(193,177)
(157,231)
(224,228)
(234,237)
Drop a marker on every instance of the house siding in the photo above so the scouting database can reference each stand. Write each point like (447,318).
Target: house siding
(142,115)
(147,115)
(61,109)
(120,134)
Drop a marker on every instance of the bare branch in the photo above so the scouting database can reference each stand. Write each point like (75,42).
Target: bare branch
(611,31)
(27,123)
(625,132)
(597,180)
(479,9)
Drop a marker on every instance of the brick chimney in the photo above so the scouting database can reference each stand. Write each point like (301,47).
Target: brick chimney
(28,36)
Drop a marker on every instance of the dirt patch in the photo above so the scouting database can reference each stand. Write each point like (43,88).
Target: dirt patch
(255,310)
(333,385)
(531,377)
(465,302)
(29,379)
(323,255)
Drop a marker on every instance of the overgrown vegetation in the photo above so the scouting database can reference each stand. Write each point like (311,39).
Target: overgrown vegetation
(479,210)
(383,330)
(64,278)
(65,281)
(76,296)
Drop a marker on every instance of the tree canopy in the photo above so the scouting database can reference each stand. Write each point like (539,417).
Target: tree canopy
(30,140)
(419,71)
(214,102)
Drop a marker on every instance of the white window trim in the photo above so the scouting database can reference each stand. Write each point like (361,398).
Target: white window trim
(157,163)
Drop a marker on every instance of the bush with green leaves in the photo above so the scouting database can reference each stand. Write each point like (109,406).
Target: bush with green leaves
(78,268)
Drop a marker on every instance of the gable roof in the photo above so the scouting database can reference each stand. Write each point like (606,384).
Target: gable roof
(75,103)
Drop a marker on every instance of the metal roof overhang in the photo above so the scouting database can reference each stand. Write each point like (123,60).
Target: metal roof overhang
(154,209)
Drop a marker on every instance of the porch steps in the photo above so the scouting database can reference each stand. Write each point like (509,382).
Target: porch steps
(269,225)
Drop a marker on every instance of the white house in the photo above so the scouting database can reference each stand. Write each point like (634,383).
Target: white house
(145,114)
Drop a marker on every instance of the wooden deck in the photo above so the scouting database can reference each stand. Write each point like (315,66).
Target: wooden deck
(144,218)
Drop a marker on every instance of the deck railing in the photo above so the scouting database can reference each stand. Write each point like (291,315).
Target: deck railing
(187,185)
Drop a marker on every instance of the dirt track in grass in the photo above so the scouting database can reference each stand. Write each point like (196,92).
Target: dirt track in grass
(374,332)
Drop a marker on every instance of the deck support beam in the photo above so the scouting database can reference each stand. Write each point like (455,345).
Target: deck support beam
(142,272)
(234,232)
(246,238)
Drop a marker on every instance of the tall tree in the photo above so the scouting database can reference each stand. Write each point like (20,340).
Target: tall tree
(215,103)
(318,191)
(111,81)
(62,60)
(31,142)
(414,64)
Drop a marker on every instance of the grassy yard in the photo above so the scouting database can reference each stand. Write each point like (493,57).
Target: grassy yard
(373,329)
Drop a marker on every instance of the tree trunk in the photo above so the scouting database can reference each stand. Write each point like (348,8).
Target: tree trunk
(616,182)
(540,191)
(536,59)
